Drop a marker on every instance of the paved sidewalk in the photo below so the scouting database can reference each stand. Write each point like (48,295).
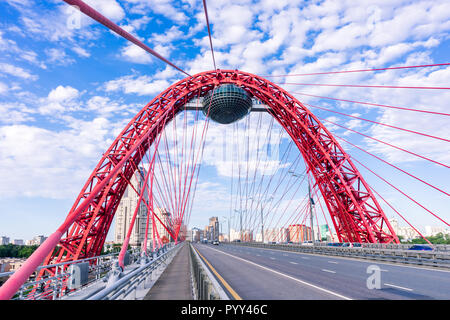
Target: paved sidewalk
(175,282)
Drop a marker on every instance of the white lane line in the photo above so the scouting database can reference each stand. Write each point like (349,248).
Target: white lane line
(286,276)
(304,257)
(398,287)
(293,262)
(258,255)
(272,258)
(285,255)
(333,262)
(330,271)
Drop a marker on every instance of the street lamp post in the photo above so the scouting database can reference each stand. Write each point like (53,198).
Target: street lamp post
(229,230)
(262,215)
(311,202)
(240,221)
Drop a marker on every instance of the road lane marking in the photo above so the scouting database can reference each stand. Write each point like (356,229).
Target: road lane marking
(333,262)
(293,262)
(286,276)
(358,260)
(330,271)
(226,285)
(398,287)
(272,258)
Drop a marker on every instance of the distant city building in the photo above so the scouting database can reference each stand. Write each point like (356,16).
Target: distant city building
(234,235)
(299,233)
(197,234)
(18,242)
(4,240)
(276,235)
(247,235)
(36,241)
(214,222)
(212,230)
(189,235)
(324,231)
(407,233)
(126,209)
(431,231)
(160,229)
(11,264)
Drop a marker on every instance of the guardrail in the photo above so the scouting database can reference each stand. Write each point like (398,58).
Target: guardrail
(123,286)
(73,276)
(204,285)
(396,246)
(434,258)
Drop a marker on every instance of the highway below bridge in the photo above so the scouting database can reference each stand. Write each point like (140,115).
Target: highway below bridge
(269,274)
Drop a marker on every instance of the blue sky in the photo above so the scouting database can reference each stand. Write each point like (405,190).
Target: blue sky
(65,93)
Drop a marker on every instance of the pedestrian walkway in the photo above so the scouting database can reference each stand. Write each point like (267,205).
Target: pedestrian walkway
(175,282)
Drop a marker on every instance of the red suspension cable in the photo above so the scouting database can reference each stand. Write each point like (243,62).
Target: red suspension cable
(361,70)
(91,12)
(209,34)
(410,198)
(374,104)
(379,123)
(409,174)
(388,144)
(361,86)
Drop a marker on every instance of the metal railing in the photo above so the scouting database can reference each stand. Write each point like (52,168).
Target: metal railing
(394,253)
(59,286)
(126,285)
(204,285)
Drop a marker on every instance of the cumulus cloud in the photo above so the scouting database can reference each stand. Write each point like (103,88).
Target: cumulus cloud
(135,84)
(15,71)
(38,162)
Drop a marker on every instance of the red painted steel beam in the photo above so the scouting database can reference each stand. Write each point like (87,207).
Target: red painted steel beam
(353,208)
(91,12)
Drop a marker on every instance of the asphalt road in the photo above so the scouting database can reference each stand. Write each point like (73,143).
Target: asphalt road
(267,274)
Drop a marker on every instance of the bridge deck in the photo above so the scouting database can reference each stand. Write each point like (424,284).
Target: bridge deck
(175,282)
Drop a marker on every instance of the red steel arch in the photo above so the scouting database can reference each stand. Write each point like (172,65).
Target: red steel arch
(354,210)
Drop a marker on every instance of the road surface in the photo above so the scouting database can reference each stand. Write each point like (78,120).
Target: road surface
(267,274)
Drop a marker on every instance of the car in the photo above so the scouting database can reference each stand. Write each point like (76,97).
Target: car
(335,244)
(215,242)
(420,247)
(307,243)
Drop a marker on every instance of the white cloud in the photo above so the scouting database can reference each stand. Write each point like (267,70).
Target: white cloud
(162,7)
(59,100)
(61,93)
(17,71)
(58,56)
(109,8)
(14,113)
(3,88)
(135,54)
(37,162)
(81,52)
(140,85)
